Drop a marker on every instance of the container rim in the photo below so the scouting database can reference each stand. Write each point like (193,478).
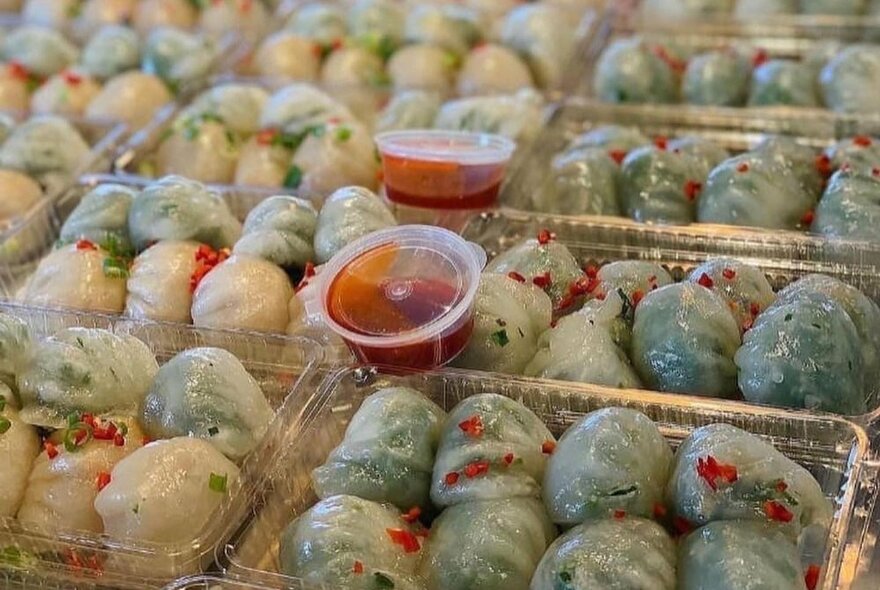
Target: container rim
(460,147)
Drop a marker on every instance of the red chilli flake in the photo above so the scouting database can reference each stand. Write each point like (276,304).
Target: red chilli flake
(358,567)
(543,281)
(705,281)
(875,171)
(729,274)
(808,218)
(777,511)
(85,245)
(760,58)
(742,167)
(617,155)
(661,143)
(566,302)
(823,165)
(476,469)
(710,470)
(811,577)
(516,277)
(405,539)
(592,271)
(473,426)
(682,525)
(619,514)
(206,259)
(754,309)
(862,141)
(267,136)
(676,65)
(71,78)
(548,446)
(781,486)
(545,236)
(103,480)
(508,458)
(692,189)
(451,478)
(637,297)
(412,514)
(659,510)
(51,450)
(119,440)
(583,286)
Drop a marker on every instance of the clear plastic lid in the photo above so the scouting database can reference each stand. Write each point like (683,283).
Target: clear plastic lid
(459,147)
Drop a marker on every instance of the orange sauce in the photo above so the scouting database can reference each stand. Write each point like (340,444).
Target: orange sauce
(441,185)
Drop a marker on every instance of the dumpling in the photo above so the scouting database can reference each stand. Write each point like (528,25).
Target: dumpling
(79,276)
(744,287)
(207,393)
(237,106)
(67,93)
(280,229)
(265,161)
(411,109)
(492,69)
(685,9)
(614,314)
(132,98)
(717,78)
(162,279)
(379,24)
(176,208)
(581,182)
(151,14)
(661,186)
(545,36)
(783,82)
(19,446)
(490,545)
(684,340)
(44,144)
(324,22)
(724,473)
(860,152)
(166,492)
(18,193)
(111,51)
(14,92)
(342,155)
(48,13)
(794,159)
(42,51)
(388,451)
(245,293)
(15,344)
(446,26)
(298,108)
(288,56)
(509,317)
(349,67)
(63,483)
(177,57)
(547,264)
(102,218)
(249,21)
(634,278)
(707,152)
(352,543)
(199,147)
(612,554)
(804,353)
(519,117)
(610,460)
(85,370)
(735,555)
(348,214)
(616,140)
(492,447)
(848,80)
(630,71)
(850,206)
(421,67)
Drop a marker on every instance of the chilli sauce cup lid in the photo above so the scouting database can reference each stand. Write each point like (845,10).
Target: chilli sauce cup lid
(460,147)
(400,286)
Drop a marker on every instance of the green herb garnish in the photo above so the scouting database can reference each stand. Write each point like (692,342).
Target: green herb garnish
(115,268)
(217,483)
(500,338)
(383,581)
(77,436)
(343,134)
(294,177)
(5,424)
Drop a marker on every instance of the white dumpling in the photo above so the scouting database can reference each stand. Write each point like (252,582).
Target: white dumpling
(67,93)
(447,26)
(14,93)
(343,155)
(41,50)
(324,22)
(160,282)
(261,163)
(493,69)
(200,149)
(84,370)
(133,98)
(238,106)
(95,14)
(288,56)
(348,214)
(299,107)
(281,229)
(166,492)
(45,144)
(179,58)
(62,489)
(422,66)
(15,344)
(411,109)
(48,13)
(111,51)
(244,292)
(377,23)
(151,14)
(545,36)
(352,66)
(18,193)
(519,116)
(248,20)
(19,445)
(77,276)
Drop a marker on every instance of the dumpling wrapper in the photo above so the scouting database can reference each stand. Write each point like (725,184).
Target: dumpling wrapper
(348,214)
(19,446)
(102,218)
(132,97)
(160,282)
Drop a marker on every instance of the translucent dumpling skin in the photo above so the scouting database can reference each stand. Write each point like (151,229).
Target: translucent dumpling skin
(631,277)
(616,140)
(630,71)
(684,339)
(19,445)
(15,344)
(850,206)
(724,473)
(804,354)
(583,182)
(719,78)
(550,263)
(206,393)
(280,229)
(348,214)
(160,282)
(611,554)
(491,447)
(388,451)
(661,186)
(488,545)
(325,543)
(101,217)
(848,80)
(44,144)
(611,459)
(744,287)
(737,555)
(783,82)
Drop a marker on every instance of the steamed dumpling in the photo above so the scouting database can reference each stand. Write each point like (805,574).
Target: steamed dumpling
(421,67)
(633,278)
(348,214)
(581,182)
(630,71)
(237,106)
(516,116)
(15,343)
(545,36)
(849,79)
(324,22)
(388,451)
(101,217)
(410,109)
(265,163)
(717,78)
(280,229)
(132,98)
(744,287)
(160,282)
(41,50)
(206,393)
(610,460)
(67,93)
(19,446)
(111,51)
(492,69)
(249,21)
(150,14)
(617,141)
(297,108)
(661,186)
(379,24)
(14,93)
(18,193)
(288,56)
(850,206)
(492,447)
(85,370)
(343,155)
(44,145)
(447,26)
(149,498)
(177,57)
(860,152)
(201,148)
(783,82)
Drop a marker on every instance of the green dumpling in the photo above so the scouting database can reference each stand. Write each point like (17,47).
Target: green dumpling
(631,70)
(835,7)
(348,214)
(850,80)
(41,50)
(102,218)
(804,353)
(280,229)
(609,554)
(617,141)
(684,339)
(489,545)
(794,158)
(661,186)
(783,82)
(717,78)
(15,343)
(709,153)
(744,287)
(634,278)
(178,57)
(609,460)
(850,206)
(388,451)
(581,182)
(860,152)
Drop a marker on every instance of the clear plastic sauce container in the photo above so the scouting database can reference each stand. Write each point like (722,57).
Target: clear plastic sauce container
(403,296)
(443,169)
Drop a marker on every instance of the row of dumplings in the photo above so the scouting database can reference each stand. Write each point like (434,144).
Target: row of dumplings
(755,9)
(722,332)
(96,437)
(493,485)
(174,252)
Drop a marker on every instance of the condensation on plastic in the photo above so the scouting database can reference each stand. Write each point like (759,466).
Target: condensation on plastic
(832,448)
(284,367)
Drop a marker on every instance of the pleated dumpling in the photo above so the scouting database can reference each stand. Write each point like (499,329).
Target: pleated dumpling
(453,28)
(112,50)
(348,214)
(388,451)
(101,217)
(166,492)
(717,78)
(848,79)
(84,370)
(684,340)
(422,67)
(735,555)
(178,57)
(612,554)
(280,229)
(850,206)
(162,279)
(860,152)
(199,147)
(285,55)
(661,186)
(724,473)
(545,36)
(206,393)
(296,108)
(745,288)
(804,353)
(237,105)
(783,82)
(582,182)
(616,140)
(631,71)
(44,145)
(380,24)
(519,115)
(610,460)
(66,94)
(490,545)
(352,543)
(491,447)
(633,278)
(410,109)
(19,194)
(40,50)
(15,345)
(794,159)
(342,155)
(509,318)
(19,446)
(176,208)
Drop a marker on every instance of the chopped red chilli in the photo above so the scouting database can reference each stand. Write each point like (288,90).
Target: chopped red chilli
(548,446)
(759,58)
(543,280)
(206,259)
(808,218)
(617,155)
(729,274)
(451,478)
(508,458)
(777,511)
(85,245)
(591,271)
(71,78)
(51,449)
(742,167)
(659,510)
(705,281)
(476,468)
(823,165)
(661,142)
(405,539)
(811,577)
(516,277)
(682,525)
(473,426)
(637,297)
(358,567)
(754,309)
(862,141)
(267,136)
(692,188)
(781,486)
(308,273)
(710,470)
(412,514)
(545,236)
(875,171)
(619,514)
(582,286)
(103,480)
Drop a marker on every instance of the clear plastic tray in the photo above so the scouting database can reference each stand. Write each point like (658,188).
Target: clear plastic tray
(832,448)
(783,258)
(285,370)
